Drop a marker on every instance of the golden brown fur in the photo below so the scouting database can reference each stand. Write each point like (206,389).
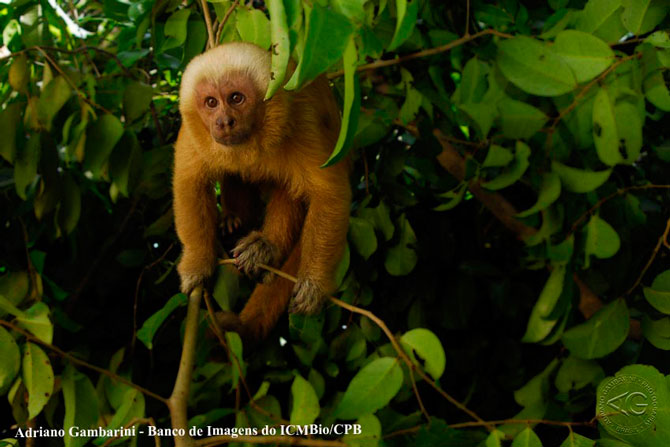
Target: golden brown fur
(292,135)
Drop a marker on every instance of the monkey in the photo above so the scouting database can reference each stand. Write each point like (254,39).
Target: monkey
(230,134)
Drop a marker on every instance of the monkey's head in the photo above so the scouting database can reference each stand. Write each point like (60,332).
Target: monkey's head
(224,89)
(231,108)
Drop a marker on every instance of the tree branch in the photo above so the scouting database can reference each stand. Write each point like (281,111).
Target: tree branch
(79,362)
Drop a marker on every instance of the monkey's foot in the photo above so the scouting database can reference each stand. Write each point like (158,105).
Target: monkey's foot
(195,270)
(308,297)
(253,250)
(191,281)
(230,224)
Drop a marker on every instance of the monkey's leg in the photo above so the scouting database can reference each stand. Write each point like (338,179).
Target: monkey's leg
(265,306)
(240,203)
(280,231)
(323,238)
(195,219)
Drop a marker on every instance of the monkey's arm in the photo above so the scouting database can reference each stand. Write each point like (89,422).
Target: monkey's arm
(323,237)
(195,216)
(281,229)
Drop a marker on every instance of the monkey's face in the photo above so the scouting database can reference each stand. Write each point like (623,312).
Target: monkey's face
(232,109)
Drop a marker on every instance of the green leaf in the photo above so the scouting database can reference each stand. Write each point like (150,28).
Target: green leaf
(14,287)
(36,320)
(473,82)
(101,137)
(576,373)
(53,98)
(305,408)
(254,27)
(481,115)
(406,11)
(10,119)
(69,208)
(520,120)
(534,67)
(497,157)
(602,18)
(401,258)
(370,432)
(38,377)
(642,16)
(655,89)
(136,100)
(125,164)
(605,331)
(577,440)
(550,191)
(514,172)
(153,323)
(658,295)
(81,405)
(657,332)
(326,39)
(428,347)
(372,388)
(11,358)
(602,241)
(281,45)
(527,438)
(605,133)
(236,350)
(380,217)
(351,107)
(542,319)
(629,126)
(362,235)
(175,29)
(19,73)
(579,180)
(132,407)
(25,165)
(587,55)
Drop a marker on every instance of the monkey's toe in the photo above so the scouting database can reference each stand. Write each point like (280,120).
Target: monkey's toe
(230,224)
(252,251)
(308,297)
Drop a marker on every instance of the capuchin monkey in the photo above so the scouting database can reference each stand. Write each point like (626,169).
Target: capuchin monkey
(231,135)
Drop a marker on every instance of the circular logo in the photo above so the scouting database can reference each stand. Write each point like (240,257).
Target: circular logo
(627,404)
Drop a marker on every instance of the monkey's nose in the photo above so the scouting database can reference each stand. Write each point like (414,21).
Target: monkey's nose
(225,122)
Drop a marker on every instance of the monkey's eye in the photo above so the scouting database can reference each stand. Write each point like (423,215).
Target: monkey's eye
(236,98)
(211,102)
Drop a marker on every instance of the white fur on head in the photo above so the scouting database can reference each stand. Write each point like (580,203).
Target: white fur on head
(213,64)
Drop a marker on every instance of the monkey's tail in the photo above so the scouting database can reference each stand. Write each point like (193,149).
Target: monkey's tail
(266,304)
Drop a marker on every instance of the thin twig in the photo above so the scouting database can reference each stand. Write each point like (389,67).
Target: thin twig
(424,53)
(208,24)
(71,83)
(663,240)
(137,292)
(579,96)
(79,362)
(389,335)
(606,199)
(225,18)
(467,18)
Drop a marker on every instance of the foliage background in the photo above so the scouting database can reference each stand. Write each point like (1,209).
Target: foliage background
(458,115)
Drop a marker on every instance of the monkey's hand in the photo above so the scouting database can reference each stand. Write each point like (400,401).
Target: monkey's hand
(194,270)
(253,250)
(308,297)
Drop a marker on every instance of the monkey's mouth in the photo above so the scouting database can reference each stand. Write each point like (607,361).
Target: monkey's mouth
(232,139)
